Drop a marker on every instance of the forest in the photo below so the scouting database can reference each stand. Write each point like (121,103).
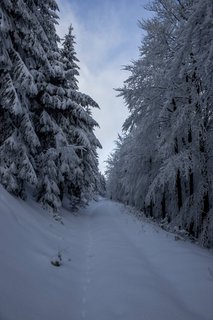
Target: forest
(162,163)
(134,242)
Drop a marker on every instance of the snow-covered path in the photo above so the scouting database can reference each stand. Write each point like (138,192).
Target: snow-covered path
(113,267)
(137,272)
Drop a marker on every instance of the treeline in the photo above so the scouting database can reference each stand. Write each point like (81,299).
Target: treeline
(163,163)
(47,140)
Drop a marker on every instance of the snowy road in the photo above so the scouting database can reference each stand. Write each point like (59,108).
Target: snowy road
(113,267)
(137,272)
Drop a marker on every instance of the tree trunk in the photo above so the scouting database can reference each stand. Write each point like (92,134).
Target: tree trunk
(179,190)
(163,206)
(191,175)
(178,181)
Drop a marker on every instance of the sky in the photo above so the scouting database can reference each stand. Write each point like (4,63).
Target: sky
(107,39)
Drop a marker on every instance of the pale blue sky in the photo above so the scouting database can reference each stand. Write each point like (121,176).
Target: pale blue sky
(107,36)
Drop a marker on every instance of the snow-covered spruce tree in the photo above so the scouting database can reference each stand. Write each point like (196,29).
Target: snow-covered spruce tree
(18,140)
(29,59)
(159,49)
(65,128)
(69,59)
(81,124)
(101,185)
(64,124)
(114,171)
(49,80)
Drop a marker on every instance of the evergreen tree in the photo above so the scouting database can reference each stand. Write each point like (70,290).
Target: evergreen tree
(65,128)
(68,57)
(18,140)
(81,126)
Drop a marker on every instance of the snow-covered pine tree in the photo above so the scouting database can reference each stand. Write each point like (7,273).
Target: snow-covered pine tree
(65,129)
(57,158)
(116,172)
(101,186)
(144,99)
(18,140)
(162,31)
(69,59)
(80,125)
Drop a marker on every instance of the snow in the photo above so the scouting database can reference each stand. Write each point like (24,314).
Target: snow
(113,267)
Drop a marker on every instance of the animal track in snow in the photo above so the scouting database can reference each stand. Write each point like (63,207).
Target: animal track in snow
(88,267)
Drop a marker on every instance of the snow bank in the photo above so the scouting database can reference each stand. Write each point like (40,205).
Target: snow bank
(30,287)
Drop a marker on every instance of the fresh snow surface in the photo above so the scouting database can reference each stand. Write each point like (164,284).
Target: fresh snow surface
(113,267)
